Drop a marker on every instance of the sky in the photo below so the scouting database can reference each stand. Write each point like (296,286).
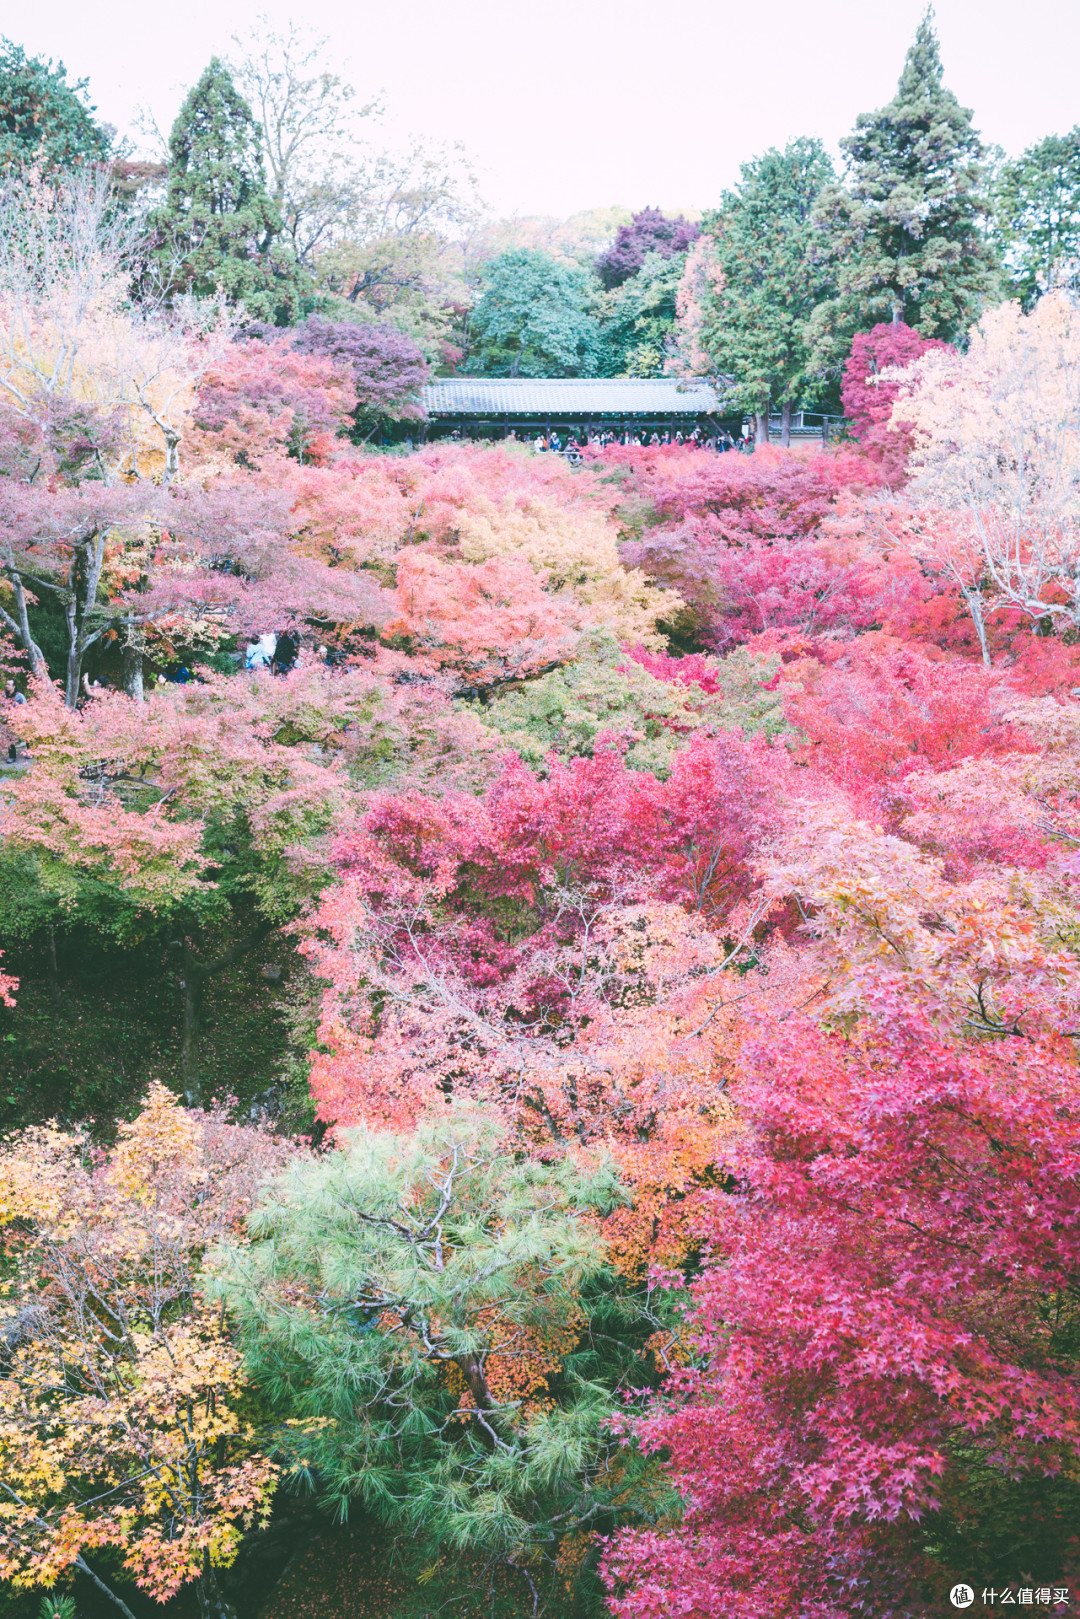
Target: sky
(605,102)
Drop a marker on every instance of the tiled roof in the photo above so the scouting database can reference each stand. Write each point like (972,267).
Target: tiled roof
(568,396)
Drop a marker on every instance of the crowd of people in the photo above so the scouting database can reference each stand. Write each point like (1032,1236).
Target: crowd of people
(576,441)
(580,441)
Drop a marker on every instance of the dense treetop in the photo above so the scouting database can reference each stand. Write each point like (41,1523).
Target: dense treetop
(1038,214)
(217,228)
(44,119)
(909,229)
(648,232)
(539,996)
(534,318)
(759,275)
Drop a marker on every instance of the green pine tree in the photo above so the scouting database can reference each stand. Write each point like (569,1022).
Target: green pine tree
(400,1289)
(1038,215)
(908,234)
(218,229)
(774,275)
(44,119)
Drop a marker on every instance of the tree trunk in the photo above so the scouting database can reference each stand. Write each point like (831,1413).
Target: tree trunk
(974,603)
(84,1568)
(481,1393)
(133,672)
(86,565)
(53,971)
(74,654)
(785,424)
(761,427)
(212,1604)
(20,624)
(172,457)
(192,985)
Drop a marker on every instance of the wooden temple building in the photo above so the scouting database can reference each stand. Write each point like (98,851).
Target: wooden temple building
(493,407)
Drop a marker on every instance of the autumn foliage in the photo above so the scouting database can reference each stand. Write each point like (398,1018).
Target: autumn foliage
(121,1420)
(680,853)
(888,1342)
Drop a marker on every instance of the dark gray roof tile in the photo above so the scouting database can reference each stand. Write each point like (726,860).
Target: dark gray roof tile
(568,396)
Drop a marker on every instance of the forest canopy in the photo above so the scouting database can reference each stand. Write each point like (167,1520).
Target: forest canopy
(539,990)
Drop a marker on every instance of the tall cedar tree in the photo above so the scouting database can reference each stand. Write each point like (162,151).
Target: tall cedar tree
(908,233)
(1038,214)
(218,227)
(43,118)
(773,276)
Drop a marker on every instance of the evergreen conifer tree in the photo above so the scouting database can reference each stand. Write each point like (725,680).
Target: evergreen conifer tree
(43,118)
(433,1315)
(772,276)
(1038,212)
(908,234)
(217,230)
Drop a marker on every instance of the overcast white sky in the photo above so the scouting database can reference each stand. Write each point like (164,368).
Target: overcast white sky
(602,102)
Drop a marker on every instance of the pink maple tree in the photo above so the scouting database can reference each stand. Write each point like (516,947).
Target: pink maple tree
(884,1339)
(871,387)
(488,945)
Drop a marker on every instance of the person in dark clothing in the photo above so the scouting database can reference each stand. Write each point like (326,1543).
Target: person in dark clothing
(284,653)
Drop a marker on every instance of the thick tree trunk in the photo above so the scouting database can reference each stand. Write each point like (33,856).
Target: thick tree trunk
(86,565)
(785,424)
(974,603)
(20,623)
(172,456)
(54,974)
(133,672)
(74,655)
(761,428)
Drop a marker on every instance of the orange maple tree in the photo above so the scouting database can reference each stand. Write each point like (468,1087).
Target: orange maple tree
(124,1410)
